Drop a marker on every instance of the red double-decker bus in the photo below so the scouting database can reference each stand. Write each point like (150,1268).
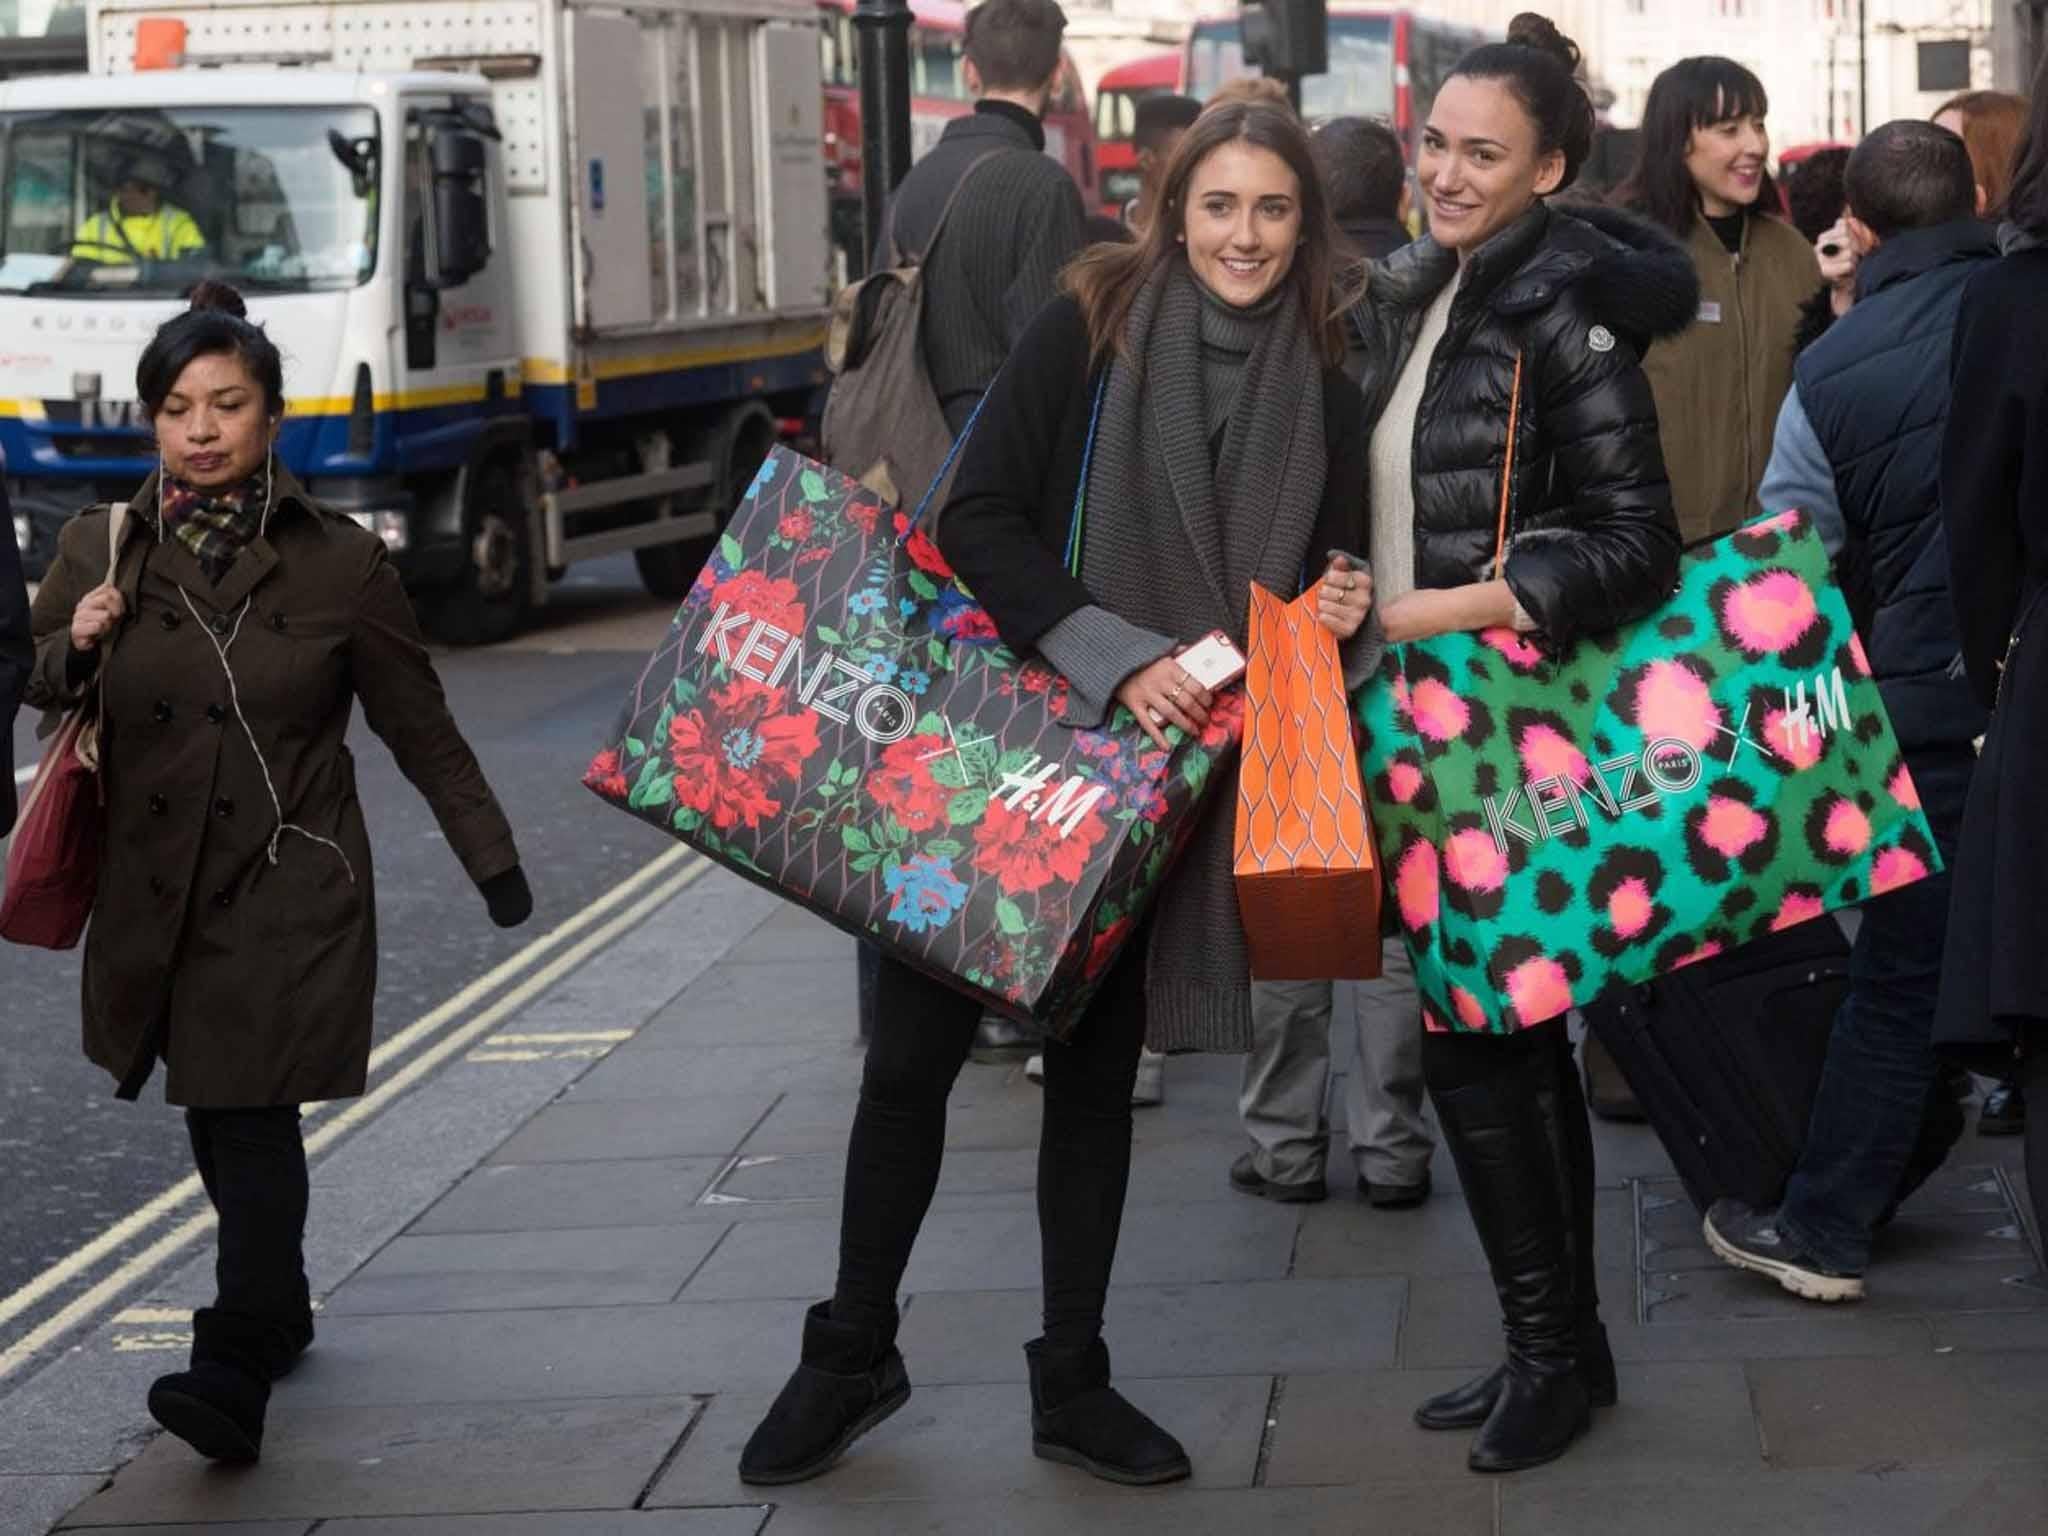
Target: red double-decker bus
(938,94)
(1384,62)
(1117,95)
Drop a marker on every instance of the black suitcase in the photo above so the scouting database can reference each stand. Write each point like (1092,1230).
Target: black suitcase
(1725,1057)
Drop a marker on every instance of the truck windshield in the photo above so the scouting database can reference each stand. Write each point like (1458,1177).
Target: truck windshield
(127,202)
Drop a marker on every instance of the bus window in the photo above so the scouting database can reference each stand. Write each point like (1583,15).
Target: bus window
(935,60)
(1360,82)
(838,58)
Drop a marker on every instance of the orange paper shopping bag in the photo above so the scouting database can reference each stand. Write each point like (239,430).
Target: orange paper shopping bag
(1307,886)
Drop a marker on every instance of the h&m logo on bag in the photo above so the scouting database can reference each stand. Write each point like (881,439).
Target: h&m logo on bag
(1668,766)
(768,653)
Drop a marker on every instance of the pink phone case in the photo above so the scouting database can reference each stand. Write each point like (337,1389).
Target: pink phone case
(1213,661)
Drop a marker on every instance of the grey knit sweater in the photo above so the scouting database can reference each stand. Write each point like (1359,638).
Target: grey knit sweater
(1016,225)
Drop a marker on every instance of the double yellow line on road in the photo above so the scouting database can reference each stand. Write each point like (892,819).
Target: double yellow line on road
(605,920)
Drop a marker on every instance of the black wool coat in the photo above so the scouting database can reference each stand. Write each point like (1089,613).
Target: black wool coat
(1593,539)
(1005,528)
(17,650)
(1994,492)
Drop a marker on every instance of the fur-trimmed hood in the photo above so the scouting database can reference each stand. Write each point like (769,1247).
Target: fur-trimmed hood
(1623,271)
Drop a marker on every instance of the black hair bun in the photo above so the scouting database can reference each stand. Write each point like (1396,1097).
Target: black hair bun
(1530,30)
(210,296)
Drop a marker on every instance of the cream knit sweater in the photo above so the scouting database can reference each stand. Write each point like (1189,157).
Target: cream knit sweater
(1392,457)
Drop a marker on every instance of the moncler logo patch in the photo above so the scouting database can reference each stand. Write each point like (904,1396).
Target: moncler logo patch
(1600,339)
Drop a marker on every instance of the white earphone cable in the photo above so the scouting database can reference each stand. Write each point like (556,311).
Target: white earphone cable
(221,649)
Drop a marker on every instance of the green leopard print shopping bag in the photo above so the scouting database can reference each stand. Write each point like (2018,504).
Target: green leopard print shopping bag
(1719,770)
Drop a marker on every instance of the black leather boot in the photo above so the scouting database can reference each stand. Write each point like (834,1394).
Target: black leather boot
(1570,1137)
(216,1405)
(1079,1419)
(851,1379)
(1510,1164)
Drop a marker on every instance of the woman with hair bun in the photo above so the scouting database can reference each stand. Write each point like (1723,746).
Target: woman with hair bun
(233,933)
(1512,319)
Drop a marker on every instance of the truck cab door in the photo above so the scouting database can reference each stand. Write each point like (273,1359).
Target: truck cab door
(459,333)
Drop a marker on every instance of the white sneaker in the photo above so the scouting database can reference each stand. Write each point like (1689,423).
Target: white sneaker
(1150,1087)
(1034,1069)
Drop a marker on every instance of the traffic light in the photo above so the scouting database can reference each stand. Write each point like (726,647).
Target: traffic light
(1286,38)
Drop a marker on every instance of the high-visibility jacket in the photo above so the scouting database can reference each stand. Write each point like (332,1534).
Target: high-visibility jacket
(114,237)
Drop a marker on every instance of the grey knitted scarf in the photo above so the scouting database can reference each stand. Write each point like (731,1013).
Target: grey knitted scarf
(1174,545)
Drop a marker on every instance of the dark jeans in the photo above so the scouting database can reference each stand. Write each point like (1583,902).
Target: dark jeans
(253,1164)
(1883,1122)
(922,1032)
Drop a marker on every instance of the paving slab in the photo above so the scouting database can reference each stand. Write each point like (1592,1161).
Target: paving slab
(793,934)
(1254,1328)
(794,999)
(428,1459)
(211,1528)
(974,1442)
(741,1521)
(983,1112)
(1934,1410)
(530,1197)
(1673,1421)
(999,1250)
(504,1271)
(576,1352)
(1375,1511)
(33,1503)
(636,1071)
(2005,1502)
(573,1131)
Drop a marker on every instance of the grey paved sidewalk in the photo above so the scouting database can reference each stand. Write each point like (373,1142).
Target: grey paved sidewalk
(577,1337)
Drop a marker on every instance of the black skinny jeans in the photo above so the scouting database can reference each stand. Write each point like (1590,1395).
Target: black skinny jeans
(922,1033)
(253,1164)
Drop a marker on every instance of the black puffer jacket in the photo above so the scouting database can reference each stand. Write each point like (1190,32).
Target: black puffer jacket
(1593,541)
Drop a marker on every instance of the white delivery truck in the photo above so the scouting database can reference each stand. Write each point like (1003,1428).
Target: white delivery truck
(549,275)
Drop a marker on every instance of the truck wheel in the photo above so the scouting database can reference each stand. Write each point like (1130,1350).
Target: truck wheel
(488,602)
(742,440)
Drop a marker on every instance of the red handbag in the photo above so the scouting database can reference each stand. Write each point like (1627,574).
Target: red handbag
(53,863)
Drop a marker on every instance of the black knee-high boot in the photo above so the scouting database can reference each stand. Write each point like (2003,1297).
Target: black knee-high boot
(1502,1128)
(253,1163)
(1570,1136)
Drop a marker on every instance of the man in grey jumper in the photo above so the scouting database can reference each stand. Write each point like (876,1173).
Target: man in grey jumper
(1017,223)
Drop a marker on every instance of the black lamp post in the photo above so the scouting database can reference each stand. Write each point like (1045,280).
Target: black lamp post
(882,28)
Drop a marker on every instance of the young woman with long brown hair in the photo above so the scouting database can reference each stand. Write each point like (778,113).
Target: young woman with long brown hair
(1187,391)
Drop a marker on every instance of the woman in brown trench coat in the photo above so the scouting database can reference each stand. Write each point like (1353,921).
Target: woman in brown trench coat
(234,931)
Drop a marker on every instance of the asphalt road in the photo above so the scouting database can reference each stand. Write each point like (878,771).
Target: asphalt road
(72,1160)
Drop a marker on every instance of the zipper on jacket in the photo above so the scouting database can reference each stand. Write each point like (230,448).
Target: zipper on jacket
(1749,472)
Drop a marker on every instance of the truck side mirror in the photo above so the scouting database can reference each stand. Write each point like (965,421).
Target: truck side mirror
(462,227)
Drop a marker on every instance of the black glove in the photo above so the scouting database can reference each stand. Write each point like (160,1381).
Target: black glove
(509,897)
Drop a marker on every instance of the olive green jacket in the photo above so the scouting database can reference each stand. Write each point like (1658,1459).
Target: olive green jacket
(1719,383)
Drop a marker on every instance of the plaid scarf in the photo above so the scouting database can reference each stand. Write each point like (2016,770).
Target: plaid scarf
(213,525)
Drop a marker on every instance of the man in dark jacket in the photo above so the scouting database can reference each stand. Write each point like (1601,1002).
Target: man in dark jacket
(1016,224)
(17,651)
(1366,170)
(1858,449)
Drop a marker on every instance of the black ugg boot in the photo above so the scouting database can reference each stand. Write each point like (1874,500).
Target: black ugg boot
(851,1379)
(216,1405)
(1080,1420)
(1507,1161)
(1569,1135)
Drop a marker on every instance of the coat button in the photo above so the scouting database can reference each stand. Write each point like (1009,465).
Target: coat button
(156,885)
(215,714)
(277,622)
(218,624)
(163,711)
(223,808)
(158,805)
(170,619)
(223,897)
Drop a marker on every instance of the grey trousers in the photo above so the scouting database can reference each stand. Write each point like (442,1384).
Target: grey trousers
(1287,1078)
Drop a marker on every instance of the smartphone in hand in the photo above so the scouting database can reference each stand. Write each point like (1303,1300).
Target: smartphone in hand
(1213,661)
